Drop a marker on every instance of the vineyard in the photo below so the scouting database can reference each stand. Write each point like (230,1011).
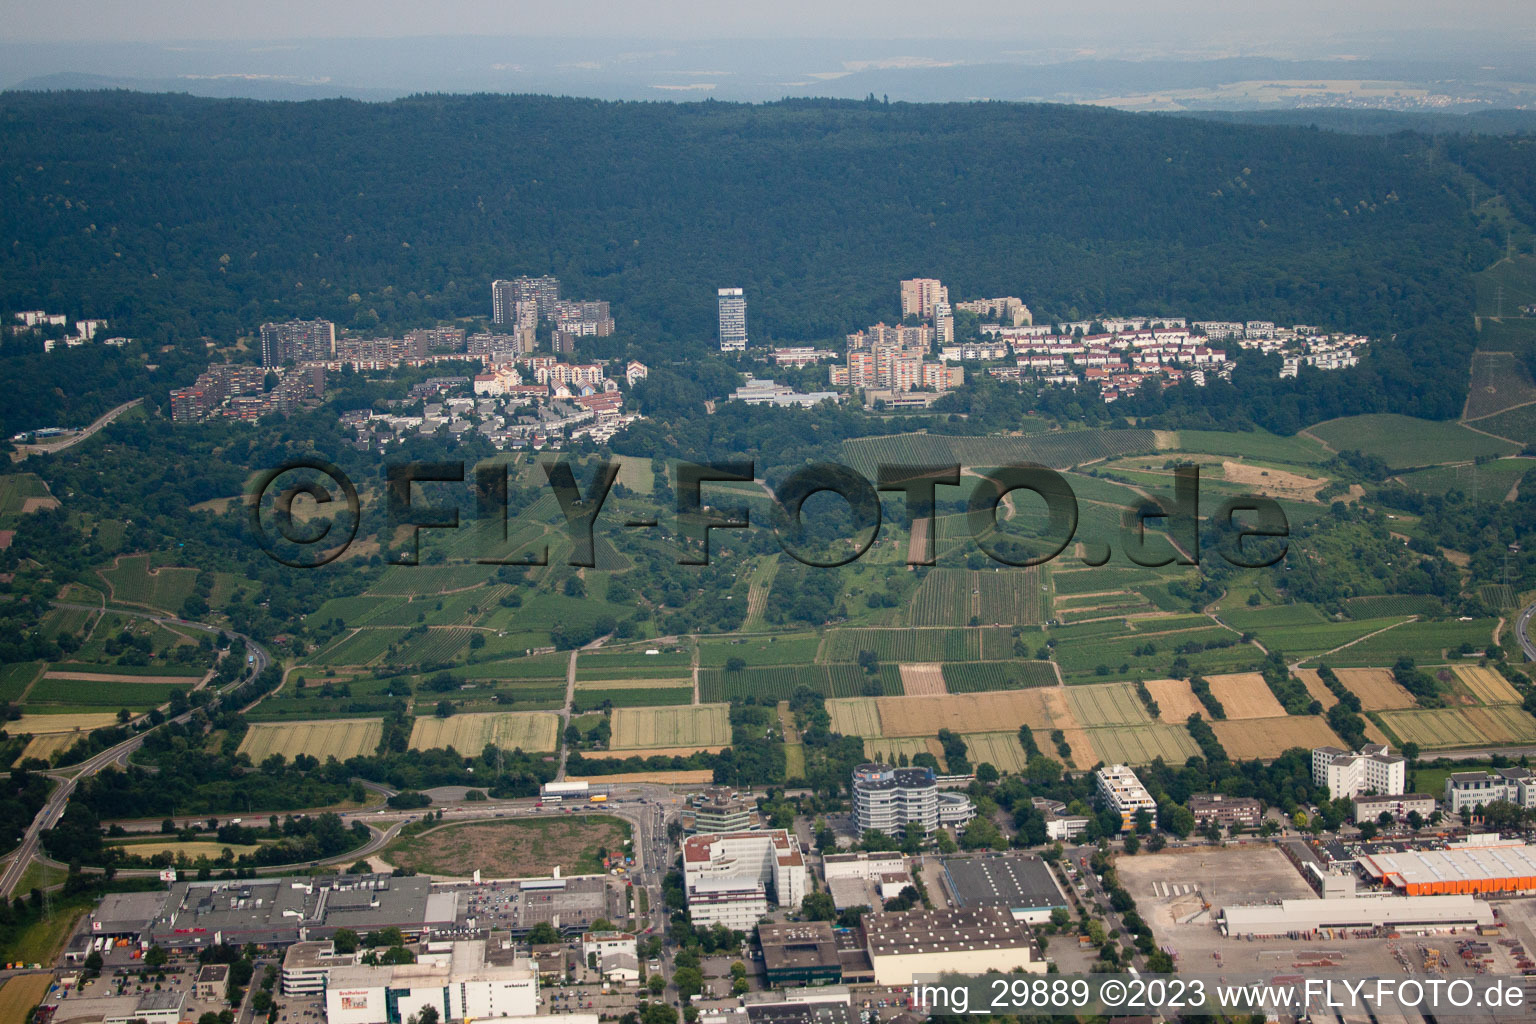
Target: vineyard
(779,682)
(944,598)
(955,644)
(1386,605)
(981,676)
(132,582)
(434,647)
(780,649)
(358,648)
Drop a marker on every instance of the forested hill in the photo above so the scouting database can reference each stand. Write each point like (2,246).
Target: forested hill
(177,217)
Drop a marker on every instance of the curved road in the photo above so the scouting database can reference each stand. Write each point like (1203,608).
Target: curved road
(52,447)
(1523,631)
(65,786)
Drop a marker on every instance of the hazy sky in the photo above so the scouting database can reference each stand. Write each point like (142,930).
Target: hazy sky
(1195,24)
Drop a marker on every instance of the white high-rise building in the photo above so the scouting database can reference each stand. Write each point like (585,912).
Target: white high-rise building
(888,799)
(733,320)
(733,877)
(1371,769)
(1119,788)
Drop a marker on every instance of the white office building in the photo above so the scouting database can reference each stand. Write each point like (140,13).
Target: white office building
(1371,769)
(733,320)
(734,877)
(472,982)
(1118,787)
(888,799)
(1467,790)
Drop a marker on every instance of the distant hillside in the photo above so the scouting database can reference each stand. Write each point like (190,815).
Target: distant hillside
(177,217)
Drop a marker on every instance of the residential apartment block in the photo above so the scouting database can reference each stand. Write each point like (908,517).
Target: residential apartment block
(302,341)
(920,295)
(732,320)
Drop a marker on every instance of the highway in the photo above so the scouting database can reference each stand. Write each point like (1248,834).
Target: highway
(1523,631)
(53,447)
(67,779)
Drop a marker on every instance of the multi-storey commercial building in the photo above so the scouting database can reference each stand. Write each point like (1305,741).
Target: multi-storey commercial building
(303,341)
(733,877)
(920,295)
(720,809)
(1466,790)
(473,983)
(888,799)
(733,320)
(1371,769)
(973,940)
(1220,809)
(1119,788)
(1371,808)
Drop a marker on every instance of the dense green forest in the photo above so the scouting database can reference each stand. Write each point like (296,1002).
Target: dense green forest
(182,218)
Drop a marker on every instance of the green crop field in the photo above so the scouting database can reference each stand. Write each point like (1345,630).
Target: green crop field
(1273,616)
(543,666)
(1380,605)
(979,676)
(359,648)
(1517,424)
(638,665)
(434,647)
(15,489)
(1499,381)
(1428,643)
(90,695)
(1403,442)
(1080,660)
(780,649)
(955,644)
(133,582)
(1308,641)
(411,580)
(1058,450)
(774,683)
(1256,444)
(352,611)
(633,697)
(1490,481)
(15,677)
(1067,580)
(1511,282)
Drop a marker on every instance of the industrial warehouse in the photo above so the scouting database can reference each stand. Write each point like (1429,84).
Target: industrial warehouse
(1466,868)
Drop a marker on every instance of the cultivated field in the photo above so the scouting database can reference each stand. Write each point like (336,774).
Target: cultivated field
(1402,441)
(889,751)
(632,684)
(1314,685)
(1461,727)
(39,724)
(115,677)
(1271,737)
(1044,708)
(1141,744)
(1175,700)
(695,727)
(1001,750)
(682,777)
(1276,483)
(1245,695)
(1078,740)
(20,994)
(534,731)
(1487,685)
(858,716)
(1109,704)
(339,738)
(922,680)
(212,849)
(50,743)
(1375,687)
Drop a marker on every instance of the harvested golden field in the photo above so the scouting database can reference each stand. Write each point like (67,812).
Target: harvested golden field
(39,724)
(889,751)
(20,994)
(1276,483)
(695,727)
(340,738)
(923,679)
(210,848)
(610,755)
(109,677)
(533,731)
(1142,744)
(1487,685)
(1314,684)
(1271,737)
(634,684)
(1107,704)
(1083,751)
(1443,728)
(702,776)
(1043,708)
(1376,688)
(855,716)
(49,743)
(1175,700)
(1245,695)
(999,749)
